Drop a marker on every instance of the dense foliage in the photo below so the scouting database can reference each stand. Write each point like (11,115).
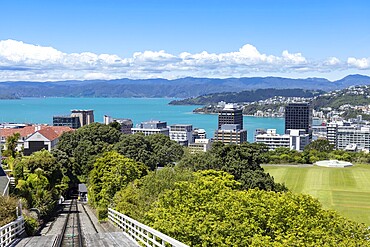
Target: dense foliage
(154,150)
(112,172)
(242,161)
(78,150)
(40,179)
(139,196)
(7,209)
(320,145)
(83,145)
(11,146)
(210,211)
(315,151)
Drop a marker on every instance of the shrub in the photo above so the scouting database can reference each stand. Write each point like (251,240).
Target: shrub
(31,225)
(102,213)
(7,210)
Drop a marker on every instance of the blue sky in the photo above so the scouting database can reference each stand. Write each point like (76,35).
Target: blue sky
(318,30)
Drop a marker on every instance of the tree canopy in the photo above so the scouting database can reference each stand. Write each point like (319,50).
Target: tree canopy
(83,145)
(154,150)
(211,211)
(11,145)
(112,172)
(320,145)
(242,161)
(40,179)
(139,196)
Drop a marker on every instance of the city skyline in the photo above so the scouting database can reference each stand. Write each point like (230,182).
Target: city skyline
(49,41)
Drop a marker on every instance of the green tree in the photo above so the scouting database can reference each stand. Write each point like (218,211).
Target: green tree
(11,145)
(211,211)
(112,172)
(164,150)
(115,125)
(135,147)
(44,160)
(242,161)
(139,196)
(41,179)
(83,145)
(37,191)
(320,145)
(154,150)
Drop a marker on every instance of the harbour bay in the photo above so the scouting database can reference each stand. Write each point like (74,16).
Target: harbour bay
(42,110)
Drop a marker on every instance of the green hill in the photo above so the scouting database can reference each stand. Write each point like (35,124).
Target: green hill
(247,96)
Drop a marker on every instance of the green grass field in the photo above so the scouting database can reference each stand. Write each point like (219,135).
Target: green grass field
(346,190)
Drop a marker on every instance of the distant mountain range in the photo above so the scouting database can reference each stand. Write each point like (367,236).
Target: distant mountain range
(179,88)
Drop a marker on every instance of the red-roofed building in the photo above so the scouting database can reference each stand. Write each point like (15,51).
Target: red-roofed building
(44,138)
(24,132)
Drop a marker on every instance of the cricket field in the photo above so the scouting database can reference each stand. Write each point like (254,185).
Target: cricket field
(346,190)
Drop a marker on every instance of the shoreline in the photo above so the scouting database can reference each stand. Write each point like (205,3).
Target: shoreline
(244,115)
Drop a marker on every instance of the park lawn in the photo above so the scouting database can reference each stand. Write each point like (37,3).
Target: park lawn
(346,190)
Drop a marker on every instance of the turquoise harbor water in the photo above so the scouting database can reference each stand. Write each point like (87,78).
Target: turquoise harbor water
(42,110)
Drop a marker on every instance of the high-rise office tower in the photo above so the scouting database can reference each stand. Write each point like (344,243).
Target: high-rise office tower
(230,115)
(230,126)
(298,116)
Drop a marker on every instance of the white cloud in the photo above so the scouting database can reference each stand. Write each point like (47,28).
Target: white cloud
(332,61)
(21,61)
(361,63)
(295,58)
(19,52)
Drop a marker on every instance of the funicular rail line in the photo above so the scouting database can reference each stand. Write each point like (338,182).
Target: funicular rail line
(88,216)
(71,234)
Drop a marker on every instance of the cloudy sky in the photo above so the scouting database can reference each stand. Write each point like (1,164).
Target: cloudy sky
(109,39)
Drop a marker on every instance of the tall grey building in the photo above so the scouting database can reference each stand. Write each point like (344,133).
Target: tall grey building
(230,126)
(231,134)
(230,115)
(298,116)
(86,116)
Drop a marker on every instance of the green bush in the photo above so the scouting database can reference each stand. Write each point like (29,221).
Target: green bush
(7,209)
(102,213)
(31,225)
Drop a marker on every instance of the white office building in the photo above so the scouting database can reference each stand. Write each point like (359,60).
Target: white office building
(181,133)
(293,139)
(358,136)
(349,137)
(200,145)
(151,128)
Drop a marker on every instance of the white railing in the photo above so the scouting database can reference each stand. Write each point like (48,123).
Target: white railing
(11,231)
(141,233)
(6,190)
